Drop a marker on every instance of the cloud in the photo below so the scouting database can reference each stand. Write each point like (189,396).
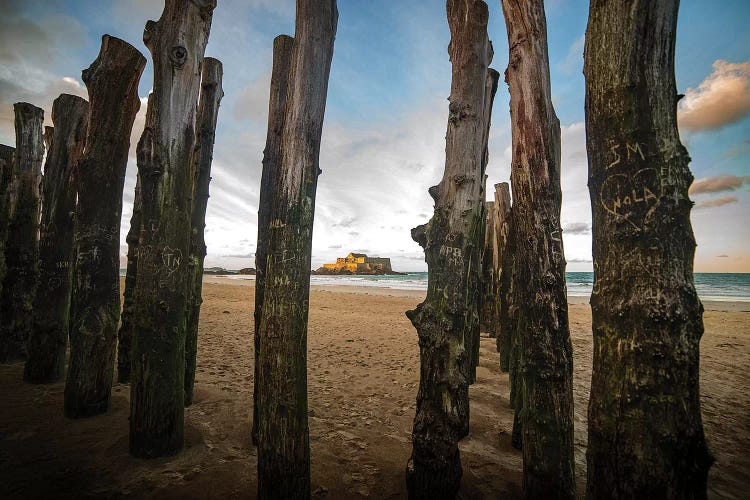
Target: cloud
(716,202)
(574,60)
(738,150)
(718,184)
(252,103)
(577,228)
(721,99)
(723,256)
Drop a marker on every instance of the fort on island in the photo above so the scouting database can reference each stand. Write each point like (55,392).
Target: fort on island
(357,263)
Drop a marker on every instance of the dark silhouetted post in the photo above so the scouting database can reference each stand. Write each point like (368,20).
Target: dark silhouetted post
(112,82)
(49,337)
(22,244)
(208,114)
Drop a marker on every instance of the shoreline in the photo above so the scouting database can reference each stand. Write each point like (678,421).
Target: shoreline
(381,291)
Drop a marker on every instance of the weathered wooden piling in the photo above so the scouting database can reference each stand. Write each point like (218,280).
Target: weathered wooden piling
(112,83)
(22,243)
(546,353)
(6,199)
(645,430)
(49,336)
(448,319)
(283,46)
(283,434)
(208,114)
(125,333)
(177,43)
(501,223)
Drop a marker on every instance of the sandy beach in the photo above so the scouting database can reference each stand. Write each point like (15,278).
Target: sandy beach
(363,372)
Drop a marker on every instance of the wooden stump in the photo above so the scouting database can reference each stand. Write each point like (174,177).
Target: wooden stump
(283,434)
(22,244)
(448,319)
(49,337)
(112,83)
(283,46)
(541,322)
(6,199)
(177,43)
(208,114)
(645,431)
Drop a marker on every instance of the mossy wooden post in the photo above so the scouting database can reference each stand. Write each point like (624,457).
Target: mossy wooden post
(49,337)
(546,354)
(22,244)
(208,114)
(6,199)
(447,320)
(283,434)
(487,313)
(282,61)
(125,333)
(501,222)
(645,430)
(177,44)
(112,83)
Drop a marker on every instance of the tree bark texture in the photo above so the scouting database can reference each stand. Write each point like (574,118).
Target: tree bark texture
(125,333)
(546,354)
(208,114)
(112,83)
(283,434)
(501,228)
(448,319)
(487,316)
(49,337)
(177,44)
(22,244)
(646,435)
(283,46)
(6,200)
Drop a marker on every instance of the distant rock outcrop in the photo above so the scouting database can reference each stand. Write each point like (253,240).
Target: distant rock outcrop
(357,263)
(247,271)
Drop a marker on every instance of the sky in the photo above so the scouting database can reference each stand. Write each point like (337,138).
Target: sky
(384,134)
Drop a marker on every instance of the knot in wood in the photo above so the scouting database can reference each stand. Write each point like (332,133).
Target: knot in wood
(178,56)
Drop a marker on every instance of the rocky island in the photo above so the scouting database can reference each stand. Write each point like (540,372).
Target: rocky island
(357,263)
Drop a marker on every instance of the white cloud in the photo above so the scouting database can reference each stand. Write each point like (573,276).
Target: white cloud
(574,60)
(721,99)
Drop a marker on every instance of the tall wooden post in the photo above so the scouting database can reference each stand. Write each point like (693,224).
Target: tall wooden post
(283,434)
(208,114)
(283,46)
(546,354)
(452,240)
(645,431)
(177,43)
(501,222)
(112,83)
(6,199)
(22,244)
(49,337)
(125,333)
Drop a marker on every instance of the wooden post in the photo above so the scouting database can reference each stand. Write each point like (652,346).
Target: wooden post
(646,436)
(452,242)
(208,114)
(283,435)
(22,244)
(6,199)
(546,353)
(487,316)
(485,297)
(112,83)
(49,337)
(177,44)
(501,222)
(283,46)
(125,333)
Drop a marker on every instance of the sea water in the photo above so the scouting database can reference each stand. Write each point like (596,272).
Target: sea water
(732,287)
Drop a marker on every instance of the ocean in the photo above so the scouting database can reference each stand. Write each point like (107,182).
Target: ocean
(729,287)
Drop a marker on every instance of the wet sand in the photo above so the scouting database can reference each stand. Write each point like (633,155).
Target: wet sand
(363,372)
